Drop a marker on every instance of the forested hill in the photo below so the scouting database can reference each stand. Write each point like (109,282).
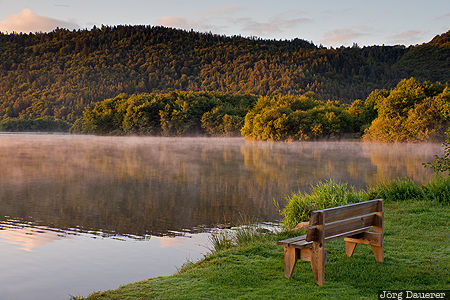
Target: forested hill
(58,74)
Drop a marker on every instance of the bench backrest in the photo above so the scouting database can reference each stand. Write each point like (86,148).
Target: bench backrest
(347,220)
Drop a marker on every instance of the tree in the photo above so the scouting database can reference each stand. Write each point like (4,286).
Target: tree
(412,111)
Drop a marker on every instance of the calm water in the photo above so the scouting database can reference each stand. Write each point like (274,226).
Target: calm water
(84,213)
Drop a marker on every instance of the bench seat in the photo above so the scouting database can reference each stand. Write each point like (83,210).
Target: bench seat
(296,242)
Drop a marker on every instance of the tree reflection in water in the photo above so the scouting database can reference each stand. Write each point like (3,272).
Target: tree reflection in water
(151,185)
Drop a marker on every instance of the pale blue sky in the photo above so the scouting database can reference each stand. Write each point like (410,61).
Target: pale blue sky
(331,23)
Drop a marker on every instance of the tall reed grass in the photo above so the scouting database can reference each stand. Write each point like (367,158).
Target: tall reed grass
(325,194)
(247,231)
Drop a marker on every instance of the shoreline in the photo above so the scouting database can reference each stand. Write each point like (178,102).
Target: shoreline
(331,140)
(252,266)
(255,269)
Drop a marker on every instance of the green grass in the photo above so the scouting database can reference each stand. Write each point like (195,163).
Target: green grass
(330,194)
(404,189)
(246,232)
(325,194)
(221,239)
(417,256)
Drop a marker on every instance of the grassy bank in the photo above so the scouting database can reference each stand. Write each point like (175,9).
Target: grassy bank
(417,256)
(330,194)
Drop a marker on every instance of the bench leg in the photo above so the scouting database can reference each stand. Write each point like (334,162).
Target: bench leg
(378,253)
(349,248)
(290,258)
(318,260)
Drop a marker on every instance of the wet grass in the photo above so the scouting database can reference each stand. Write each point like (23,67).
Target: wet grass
(330,194)
(417,256)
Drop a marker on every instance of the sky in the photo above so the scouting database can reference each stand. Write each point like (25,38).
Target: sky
(330,23)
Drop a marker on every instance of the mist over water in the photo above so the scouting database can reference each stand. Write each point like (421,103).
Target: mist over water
(77,194)
(149,185)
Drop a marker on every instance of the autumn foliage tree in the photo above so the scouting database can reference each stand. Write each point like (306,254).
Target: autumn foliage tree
(412,111)
(301,117)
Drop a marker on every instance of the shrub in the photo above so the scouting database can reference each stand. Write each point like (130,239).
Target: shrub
(40,124)
(441,163)
(396,190)
(324,195)
(437,189)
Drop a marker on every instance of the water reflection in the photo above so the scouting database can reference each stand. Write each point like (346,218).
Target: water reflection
(26,237)
(83,213)
(44,263)
(152,186)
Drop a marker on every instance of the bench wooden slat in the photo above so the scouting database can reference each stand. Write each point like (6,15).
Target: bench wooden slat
(300,244)
(347,211)
(291,240)
(338,227)
(342,226)
(370,237)
(347,233)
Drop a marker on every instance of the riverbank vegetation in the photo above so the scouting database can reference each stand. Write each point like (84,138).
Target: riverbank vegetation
(412,111)
(169,114)
(441,163)
(416,255)
(38,125)
(58,74)
(330,194)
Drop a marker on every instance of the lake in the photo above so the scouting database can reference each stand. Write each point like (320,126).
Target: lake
(82,213)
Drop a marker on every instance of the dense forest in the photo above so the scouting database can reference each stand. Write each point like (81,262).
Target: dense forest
(55,76)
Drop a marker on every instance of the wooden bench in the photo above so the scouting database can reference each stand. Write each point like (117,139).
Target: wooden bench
(359,223)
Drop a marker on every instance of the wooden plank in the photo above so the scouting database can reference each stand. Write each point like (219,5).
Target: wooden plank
(346,225)
(292,240)
(338,227)
(378,253)
(357,241)
(318,259)
(315,231)
(290,259)
(366,238)
(312,234)
(379,228)
(300,244)
(346,211)
(305,254)
(345,234)
(349,248)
